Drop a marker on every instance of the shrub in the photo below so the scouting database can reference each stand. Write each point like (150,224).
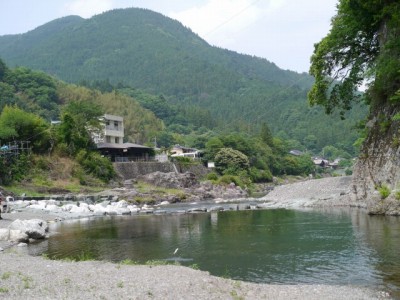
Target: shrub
(384,191)
(212,176)
(95,164)
(230,161)
(228,179)
(257,175)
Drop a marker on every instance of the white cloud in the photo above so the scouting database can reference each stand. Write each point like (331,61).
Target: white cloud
(88,8)
(217,18)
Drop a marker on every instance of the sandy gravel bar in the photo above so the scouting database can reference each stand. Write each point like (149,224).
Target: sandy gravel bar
(26,277)
(325,192)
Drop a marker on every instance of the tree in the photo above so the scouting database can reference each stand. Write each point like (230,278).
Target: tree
(230,161)
(76,119)
(16,124)
(266,135)
(363,43)
(3,69)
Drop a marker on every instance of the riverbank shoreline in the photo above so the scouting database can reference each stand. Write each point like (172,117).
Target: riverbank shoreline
(24,276)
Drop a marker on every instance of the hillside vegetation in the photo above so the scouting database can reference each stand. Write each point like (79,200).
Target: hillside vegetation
(192,86)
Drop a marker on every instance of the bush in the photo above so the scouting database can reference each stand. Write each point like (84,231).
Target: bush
(348,172)
(384,191)
(97,165)
(212,176)
(228,179)
(257,175)
(230,161)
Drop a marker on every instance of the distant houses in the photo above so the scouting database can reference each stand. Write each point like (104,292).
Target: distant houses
(319,161)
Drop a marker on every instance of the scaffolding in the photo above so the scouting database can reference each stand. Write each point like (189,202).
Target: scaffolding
(15,148)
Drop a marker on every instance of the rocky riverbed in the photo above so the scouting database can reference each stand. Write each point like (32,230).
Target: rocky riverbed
(22,276)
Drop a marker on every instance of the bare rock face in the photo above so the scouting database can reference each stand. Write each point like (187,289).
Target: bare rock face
(378,166)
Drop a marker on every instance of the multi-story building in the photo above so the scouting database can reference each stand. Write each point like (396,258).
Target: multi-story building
(110,142)
(113,131)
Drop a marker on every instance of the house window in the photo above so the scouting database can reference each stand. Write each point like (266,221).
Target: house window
(117,140)
(107,122)
(116,124)
(108,139)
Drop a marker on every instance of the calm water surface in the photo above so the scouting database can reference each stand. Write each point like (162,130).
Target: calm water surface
(268,246)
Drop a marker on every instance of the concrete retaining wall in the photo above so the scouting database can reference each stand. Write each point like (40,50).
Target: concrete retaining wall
(130,170)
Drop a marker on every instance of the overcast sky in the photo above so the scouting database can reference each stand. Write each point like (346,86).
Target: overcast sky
(282,31)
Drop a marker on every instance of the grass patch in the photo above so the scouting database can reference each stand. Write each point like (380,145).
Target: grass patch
(128,262)
(27,281)
(384,191)
(85,256)
(5,275)
(3,290)
(194,267)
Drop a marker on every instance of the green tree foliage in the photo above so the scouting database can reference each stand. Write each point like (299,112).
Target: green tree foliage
(95,164)
(32,91)
(266,134)
(231,162)
(140,125)
(18,125)
(363,43)
(14,168)
(76,120)
(3,69)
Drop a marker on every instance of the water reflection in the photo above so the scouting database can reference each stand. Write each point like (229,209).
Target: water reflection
(340,246)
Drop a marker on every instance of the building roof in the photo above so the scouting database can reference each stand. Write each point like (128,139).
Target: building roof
(120,146)
(113,118)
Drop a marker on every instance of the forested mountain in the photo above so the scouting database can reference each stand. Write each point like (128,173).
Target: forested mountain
(141,49)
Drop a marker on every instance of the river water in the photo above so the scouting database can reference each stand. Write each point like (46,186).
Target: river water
(340,246)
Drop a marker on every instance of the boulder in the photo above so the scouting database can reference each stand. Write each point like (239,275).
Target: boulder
(4,234)
(80,210)
(18,236)
(35,228)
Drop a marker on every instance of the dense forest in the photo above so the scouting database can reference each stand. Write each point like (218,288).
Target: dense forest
(29,100)
(197,90)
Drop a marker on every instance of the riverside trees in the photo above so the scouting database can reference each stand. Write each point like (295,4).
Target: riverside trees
(364,45)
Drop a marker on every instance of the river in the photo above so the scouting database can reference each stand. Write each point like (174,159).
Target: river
(277,246)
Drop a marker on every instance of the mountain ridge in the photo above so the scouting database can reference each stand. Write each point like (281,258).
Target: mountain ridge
(146,50)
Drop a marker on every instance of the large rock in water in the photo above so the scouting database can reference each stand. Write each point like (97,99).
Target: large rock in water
(171,180)
(35,228)
(379,165)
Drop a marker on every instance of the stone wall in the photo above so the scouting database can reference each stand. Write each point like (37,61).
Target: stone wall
(129,170)
(134,169)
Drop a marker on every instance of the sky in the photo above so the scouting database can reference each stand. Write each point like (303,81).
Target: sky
(282,31)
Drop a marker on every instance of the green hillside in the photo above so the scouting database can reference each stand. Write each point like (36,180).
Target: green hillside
(145,50)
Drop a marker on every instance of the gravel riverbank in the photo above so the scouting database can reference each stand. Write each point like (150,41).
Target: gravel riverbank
(26,277)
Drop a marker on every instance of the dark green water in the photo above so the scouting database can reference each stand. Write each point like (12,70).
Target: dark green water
(269,246)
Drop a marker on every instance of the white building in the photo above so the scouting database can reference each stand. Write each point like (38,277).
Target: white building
(113,131)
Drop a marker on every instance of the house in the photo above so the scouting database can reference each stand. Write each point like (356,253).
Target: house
(296,152)
(321,162)
(181,151)
(113,130)
(110,142)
